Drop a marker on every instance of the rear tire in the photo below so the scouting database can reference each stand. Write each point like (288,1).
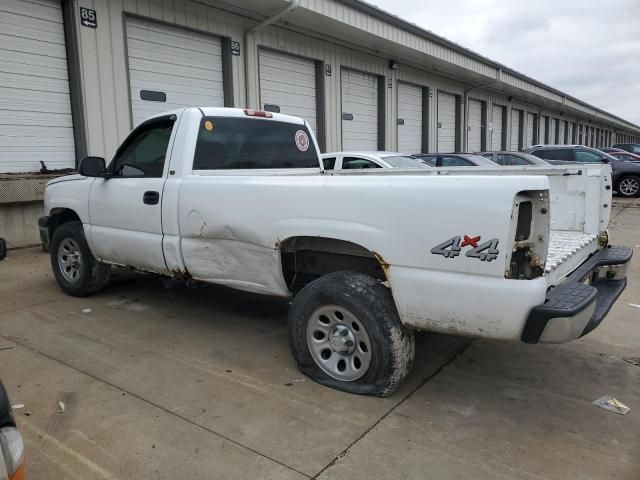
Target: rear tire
(628,186)
(345,333)
(76,270)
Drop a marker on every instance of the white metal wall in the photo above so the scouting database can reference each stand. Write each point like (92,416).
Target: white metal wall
(409,118)
(497,131)
(35,106)
(185,65)
(530,125)
(288,82)
(104,73)
(552,132)
(359,110)
(474,126)
(515,130)
(446,122)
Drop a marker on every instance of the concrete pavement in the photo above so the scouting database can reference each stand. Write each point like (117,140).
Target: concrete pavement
(163,381)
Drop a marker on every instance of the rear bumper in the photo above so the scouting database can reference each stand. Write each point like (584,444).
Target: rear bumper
(582,301)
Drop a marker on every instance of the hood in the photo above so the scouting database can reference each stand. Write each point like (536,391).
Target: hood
(66,178)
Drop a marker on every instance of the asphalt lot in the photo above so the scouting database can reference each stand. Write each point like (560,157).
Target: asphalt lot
(162,381)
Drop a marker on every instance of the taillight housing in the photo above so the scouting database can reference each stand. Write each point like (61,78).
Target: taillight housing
(530,235)
(12,451)
(257,113)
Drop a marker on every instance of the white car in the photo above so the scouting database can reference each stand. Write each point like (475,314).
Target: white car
(361,160)
(241,198)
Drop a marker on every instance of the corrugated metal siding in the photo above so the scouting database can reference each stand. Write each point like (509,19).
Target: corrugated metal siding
(35,107)
(543,130)
(360,101)
(103,61)
(186,66)
(529,137)
(409,118)
(475,126)
(289,83)
(104,67)
(497,130)
(446,122)
(515,130)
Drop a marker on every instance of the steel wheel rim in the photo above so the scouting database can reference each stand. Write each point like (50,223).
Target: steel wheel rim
(338,343)
(629,186)
(70,260)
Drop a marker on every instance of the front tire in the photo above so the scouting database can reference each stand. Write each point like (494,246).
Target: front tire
(76,270)
(629,186)
(345,333)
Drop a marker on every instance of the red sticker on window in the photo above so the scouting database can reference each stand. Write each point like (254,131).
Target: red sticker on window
(302,140)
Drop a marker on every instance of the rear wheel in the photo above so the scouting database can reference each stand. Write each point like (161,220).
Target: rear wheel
(345,332)
(629,186)
(77,271)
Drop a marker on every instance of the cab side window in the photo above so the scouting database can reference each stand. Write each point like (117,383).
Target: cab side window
(329,163)
(353,163)
(143,153)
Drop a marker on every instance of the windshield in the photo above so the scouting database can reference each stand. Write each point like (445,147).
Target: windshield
(402,161)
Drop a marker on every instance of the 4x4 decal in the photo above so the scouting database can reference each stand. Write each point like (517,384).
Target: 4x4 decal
(451,248)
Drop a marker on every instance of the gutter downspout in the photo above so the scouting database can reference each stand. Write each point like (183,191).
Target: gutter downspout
(465,143)
(293,4)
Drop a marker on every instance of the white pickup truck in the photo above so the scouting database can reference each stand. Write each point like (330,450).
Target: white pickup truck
(240,198)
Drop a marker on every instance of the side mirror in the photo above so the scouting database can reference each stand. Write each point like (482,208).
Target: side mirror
(92,167)
(605,160)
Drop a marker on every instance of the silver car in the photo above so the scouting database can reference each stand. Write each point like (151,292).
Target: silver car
(361,160)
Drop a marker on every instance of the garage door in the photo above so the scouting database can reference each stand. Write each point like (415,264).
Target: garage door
(530,129)
(170,68)
(515,130)
(446,122)
(497,133)
(409,118)
(359,110)
(475,126)
(543,131)
(288,85)
(552,132)
(35,106)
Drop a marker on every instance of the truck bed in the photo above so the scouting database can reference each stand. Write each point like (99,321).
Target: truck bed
(567,250)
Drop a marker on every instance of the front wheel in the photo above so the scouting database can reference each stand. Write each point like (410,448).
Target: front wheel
(345,332)
(77,271)
(629,186)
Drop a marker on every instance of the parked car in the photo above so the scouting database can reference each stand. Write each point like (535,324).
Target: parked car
(629,147)
(514,158)
(12,462)
(625,176)
(455,160)
(239,198)
(626,156)
(360,160)
(610,149)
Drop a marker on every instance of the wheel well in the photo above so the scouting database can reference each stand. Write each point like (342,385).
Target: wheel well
(58,216)
(306,258)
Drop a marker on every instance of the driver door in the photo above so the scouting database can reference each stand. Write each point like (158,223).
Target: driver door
(125,209)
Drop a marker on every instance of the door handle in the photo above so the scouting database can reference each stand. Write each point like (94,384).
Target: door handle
(151,198)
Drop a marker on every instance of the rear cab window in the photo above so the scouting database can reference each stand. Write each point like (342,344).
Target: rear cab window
(329,163)
(232,143)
